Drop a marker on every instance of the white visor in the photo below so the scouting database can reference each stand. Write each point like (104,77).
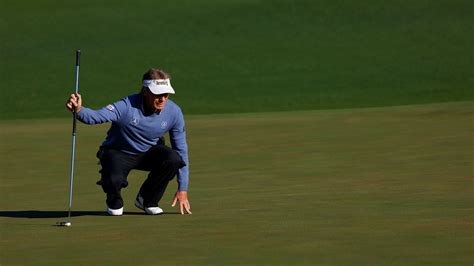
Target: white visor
(158,86)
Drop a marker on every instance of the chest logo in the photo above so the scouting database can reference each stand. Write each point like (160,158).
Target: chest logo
(134,121)
(164,124)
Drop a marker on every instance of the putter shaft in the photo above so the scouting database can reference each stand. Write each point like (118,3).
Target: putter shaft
(73,151)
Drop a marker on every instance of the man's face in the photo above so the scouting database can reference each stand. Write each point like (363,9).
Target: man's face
(155,102)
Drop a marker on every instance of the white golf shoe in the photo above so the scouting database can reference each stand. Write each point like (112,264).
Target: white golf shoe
(148,210)
(115,212)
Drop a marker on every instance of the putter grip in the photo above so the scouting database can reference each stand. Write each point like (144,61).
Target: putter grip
(78,57)
(74,121)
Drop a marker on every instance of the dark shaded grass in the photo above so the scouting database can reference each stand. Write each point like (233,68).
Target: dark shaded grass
(237,56)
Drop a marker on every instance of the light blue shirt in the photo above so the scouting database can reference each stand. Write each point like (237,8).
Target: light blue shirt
(133,132)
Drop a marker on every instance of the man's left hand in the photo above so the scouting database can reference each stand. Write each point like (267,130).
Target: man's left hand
(182,197)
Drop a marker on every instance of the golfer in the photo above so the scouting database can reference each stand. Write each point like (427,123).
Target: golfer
(135,141)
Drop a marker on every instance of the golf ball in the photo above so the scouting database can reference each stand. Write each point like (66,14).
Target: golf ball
(63,224)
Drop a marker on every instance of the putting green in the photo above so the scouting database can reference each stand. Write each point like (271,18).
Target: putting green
(377,186)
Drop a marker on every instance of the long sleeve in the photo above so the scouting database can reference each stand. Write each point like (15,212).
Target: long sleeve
(110,113)
(178,143)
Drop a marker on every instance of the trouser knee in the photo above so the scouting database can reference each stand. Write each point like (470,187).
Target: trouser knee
(174,161)
(114,170)
(168,167)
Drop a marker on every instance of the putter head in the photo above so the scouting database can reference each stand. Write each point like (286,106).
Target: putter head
(67,224)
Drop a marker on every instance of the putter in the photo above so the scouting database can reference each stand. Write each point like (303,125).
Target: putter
(74,121)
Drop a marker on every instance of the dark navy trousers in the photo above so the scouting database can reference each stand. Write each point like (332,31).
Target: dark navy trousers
(160,161)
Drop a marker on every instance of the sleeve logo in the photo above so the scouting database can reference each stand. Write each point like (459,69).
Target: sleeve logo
(134,121)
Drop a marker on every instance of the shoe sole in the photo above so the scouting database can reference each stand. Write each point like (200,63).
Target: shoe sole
(140,206)
(113,214)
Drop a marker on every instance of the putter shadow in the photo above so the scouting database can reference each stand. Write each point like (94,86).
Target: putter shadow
(35,214)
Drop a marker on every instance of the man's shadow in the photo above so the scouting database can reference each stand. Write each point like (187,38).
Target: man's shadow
(35,214)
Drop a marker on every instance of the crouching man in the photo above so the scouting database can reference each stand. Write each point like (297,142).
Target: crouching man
(134,141)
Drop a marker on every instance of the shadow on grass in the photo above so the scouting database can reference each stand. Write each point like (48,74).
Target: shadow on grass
(34,214)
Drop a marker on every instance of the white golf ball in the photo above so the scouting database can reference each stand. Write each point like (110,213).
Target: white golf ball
(63,223)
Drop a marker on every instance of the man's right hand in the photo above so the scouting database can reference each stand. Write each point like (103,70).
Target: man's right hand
(75,100)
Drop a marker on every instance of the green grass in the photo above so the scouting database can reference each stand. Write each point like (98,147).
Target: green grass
(237,56)
(375,186)
(347,186)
